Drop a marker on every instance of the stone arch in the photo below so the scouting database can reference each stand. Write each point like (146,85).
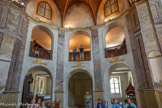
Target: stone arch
(115,40)
(101,11)
(43,37)
(37,70)
(76,71)
(31,9)
(111,26)
(40,68)
(155,62)
(82,79)
(107,74)
(153,53)
(77,39)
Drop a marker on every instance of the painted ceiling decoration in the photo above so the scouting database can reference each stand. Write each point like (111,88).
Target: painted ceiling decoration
(64,5)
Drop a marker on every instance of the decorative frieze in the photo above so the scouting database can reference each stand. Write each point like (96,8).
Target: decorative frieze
(79,65)
(41,62)
(116,59)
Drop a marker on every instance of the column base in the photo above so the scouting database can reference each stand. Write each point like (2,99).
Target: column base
(98,95)
(9,99)
(59,95)
(150,98)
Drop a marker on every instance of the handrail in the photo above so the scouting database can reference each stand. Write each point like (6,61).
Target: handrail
(41,52)
(87,56)
(116,51)
(116,46)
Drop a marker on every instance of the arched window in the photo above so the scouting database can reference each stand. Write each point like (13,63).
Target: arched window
(115,85)
(111,7)
(44,10)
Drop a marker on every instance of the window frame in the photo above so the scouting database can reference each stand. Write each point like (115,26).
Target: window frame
(119,86)
(44,10)
(110,6)
(1,38)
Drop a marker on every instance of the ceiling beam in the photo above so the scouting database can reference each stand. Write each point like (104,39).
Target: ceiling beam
(93,12)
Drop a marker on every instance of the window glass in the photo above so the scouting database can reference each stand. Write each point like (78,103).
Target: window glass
(44,10)
(115,85)
(111,7)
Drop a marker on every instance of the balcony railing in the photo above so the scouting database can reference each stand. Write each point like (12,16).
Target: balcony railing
(40,53)
(116,51)
(87,56)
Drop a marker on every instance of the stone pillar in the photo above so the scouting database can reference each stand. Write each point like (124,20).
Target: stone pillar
(156,10)
(97,65)
(14,26)
(15,66)
(155,57)
(150,43)
(60,66)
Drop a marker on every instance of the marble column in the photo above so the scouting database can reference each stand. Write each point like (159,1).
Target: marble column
(97,65)
(60,65)
(15,68)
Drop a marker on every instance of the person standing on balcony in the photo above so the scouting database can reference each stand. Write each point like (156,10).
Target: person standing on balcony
(37,51)
(81,53)
(74,53)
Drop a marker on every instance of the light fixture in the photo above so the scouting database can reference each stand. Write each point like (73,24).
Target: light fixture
(22,3)
(67,26)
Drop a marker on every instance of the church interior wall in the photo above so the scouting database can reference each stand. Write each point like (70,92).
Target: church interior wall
(15,27)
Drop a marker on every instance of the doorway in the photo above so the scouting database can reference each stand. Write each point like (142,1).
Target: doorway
(37,85)
(79,84)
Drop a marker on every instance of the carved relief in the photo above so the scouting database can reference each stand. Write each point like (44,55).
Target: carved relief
(116,59)
(38,61)
(79,65)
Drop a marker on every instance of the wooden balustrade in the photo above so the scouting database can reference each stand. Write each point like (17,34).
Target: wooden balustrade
(40,53)
(116,51)
(87,56)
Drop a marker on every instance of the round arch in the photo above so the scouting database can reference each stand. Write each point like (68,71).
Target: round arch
(115,41)
(76,71)
(31,9)
(42,40)
(109,27)
(101,11)
(120,68)
(29,71)
(36,77)
(76,40)
(79,82)
(155,62)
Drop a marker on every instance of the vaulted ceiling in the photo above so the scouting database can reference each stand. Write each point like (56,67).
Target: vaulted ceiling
(64,5)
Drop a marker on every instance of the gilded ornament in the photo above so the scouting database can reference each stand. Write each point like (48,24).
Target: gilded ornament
(116,59)
(38,61)
(79,65)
